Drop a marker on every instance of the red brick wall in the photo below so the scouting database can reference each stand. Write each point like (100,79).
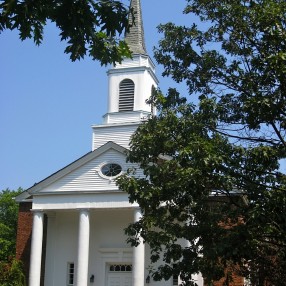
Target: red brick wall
(234,281)
(24,232)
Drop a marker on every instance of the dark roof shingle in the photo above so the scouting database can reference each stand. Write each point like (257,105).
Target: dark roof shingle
(135,37)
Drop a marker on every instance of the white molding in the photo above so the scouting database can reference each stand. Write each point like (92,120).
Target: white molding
(113,255)
(51,202)
(116,250)
(117,124)
(135,70)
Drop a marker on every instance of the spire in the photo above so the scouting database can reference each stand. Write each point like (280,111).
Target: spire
(135,36)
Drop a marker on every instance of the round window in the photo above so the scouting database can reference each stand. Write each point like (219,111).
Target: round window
(111,170)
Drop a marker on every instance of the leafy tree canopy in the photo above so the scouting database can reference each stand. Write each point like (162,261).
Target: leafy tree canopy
(89,27)
(212,169)
(11,273)
(8,223)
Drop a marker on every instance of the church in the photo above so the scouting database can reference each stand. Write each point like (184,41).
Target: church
(71,224)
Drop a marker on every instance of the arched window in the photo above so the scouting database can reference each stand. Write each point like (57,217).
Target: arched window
(126,95)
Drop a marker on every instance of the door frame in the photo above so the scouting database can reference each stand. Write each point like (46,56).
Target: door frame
(113,256)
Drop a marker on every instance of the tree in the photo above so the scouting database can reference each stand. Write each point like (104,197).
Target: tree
(11,273)
(8,223)
(212,169)
(89,27)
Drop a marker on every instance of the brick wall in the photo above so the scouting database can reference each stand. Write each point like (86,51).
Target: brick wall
(234,281)
(24,232)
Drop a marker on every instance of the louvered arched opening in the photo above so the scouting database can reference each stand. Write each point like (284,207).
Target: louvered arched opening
(126,95)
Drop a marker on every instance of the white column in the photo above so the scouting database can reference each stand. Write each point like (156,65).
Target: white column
(83,249)
(36,249)
(138,267)
(51,258)
(198,278)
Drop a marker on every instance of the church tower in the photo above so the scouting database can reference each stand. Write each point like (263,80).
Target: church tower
(130,85)
(70,226)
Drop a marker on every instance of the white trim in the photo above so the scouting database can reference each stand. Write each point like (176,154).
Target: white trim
(112,256)
(101,165)
(113,200)
(135,70)
(119,124)
(115,250)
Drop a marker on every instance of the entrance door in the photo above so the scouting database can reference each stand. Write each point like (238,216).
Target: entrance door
(119,279)
(119,275)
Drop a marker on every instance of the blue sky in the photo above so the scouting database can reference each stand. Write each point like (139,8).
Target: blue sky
(48,103)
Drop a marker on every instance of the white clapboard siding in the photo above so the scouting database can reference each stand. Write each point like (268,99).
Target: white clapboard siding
(87,178)
(118,134)
(126,117)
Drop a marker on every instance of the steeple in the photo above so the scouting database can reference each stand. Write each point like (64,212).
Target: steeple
(135,36)
(130,85)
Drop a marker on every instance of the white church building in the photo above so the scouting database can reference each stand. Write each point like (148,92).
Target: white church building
(71,224)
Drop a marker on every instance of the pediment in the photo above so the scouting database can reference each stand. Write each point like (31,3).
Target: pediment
(84,175)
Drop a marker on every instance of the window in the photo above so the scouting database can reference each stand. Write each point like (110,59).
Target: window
(70,276)
(120,268)
(126,95)
(175,280)
(111,170)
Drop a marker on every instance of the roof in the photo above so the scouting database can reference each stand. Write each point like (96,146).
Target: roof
(135,36)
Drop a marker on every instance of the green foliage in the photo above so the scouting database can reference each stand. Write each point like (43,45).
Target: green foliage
(212,169)
(8,223)
(11,273)
(88,27)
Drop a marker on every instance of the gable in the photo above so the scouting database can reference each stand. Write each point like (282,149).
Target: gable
(88,177)
(83,175)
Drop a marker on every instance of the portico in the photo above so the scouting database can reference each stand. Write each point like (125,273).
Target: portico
(85,257)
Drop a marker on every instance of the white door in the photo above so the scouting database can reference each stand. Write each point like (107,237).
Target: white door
(119,279)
